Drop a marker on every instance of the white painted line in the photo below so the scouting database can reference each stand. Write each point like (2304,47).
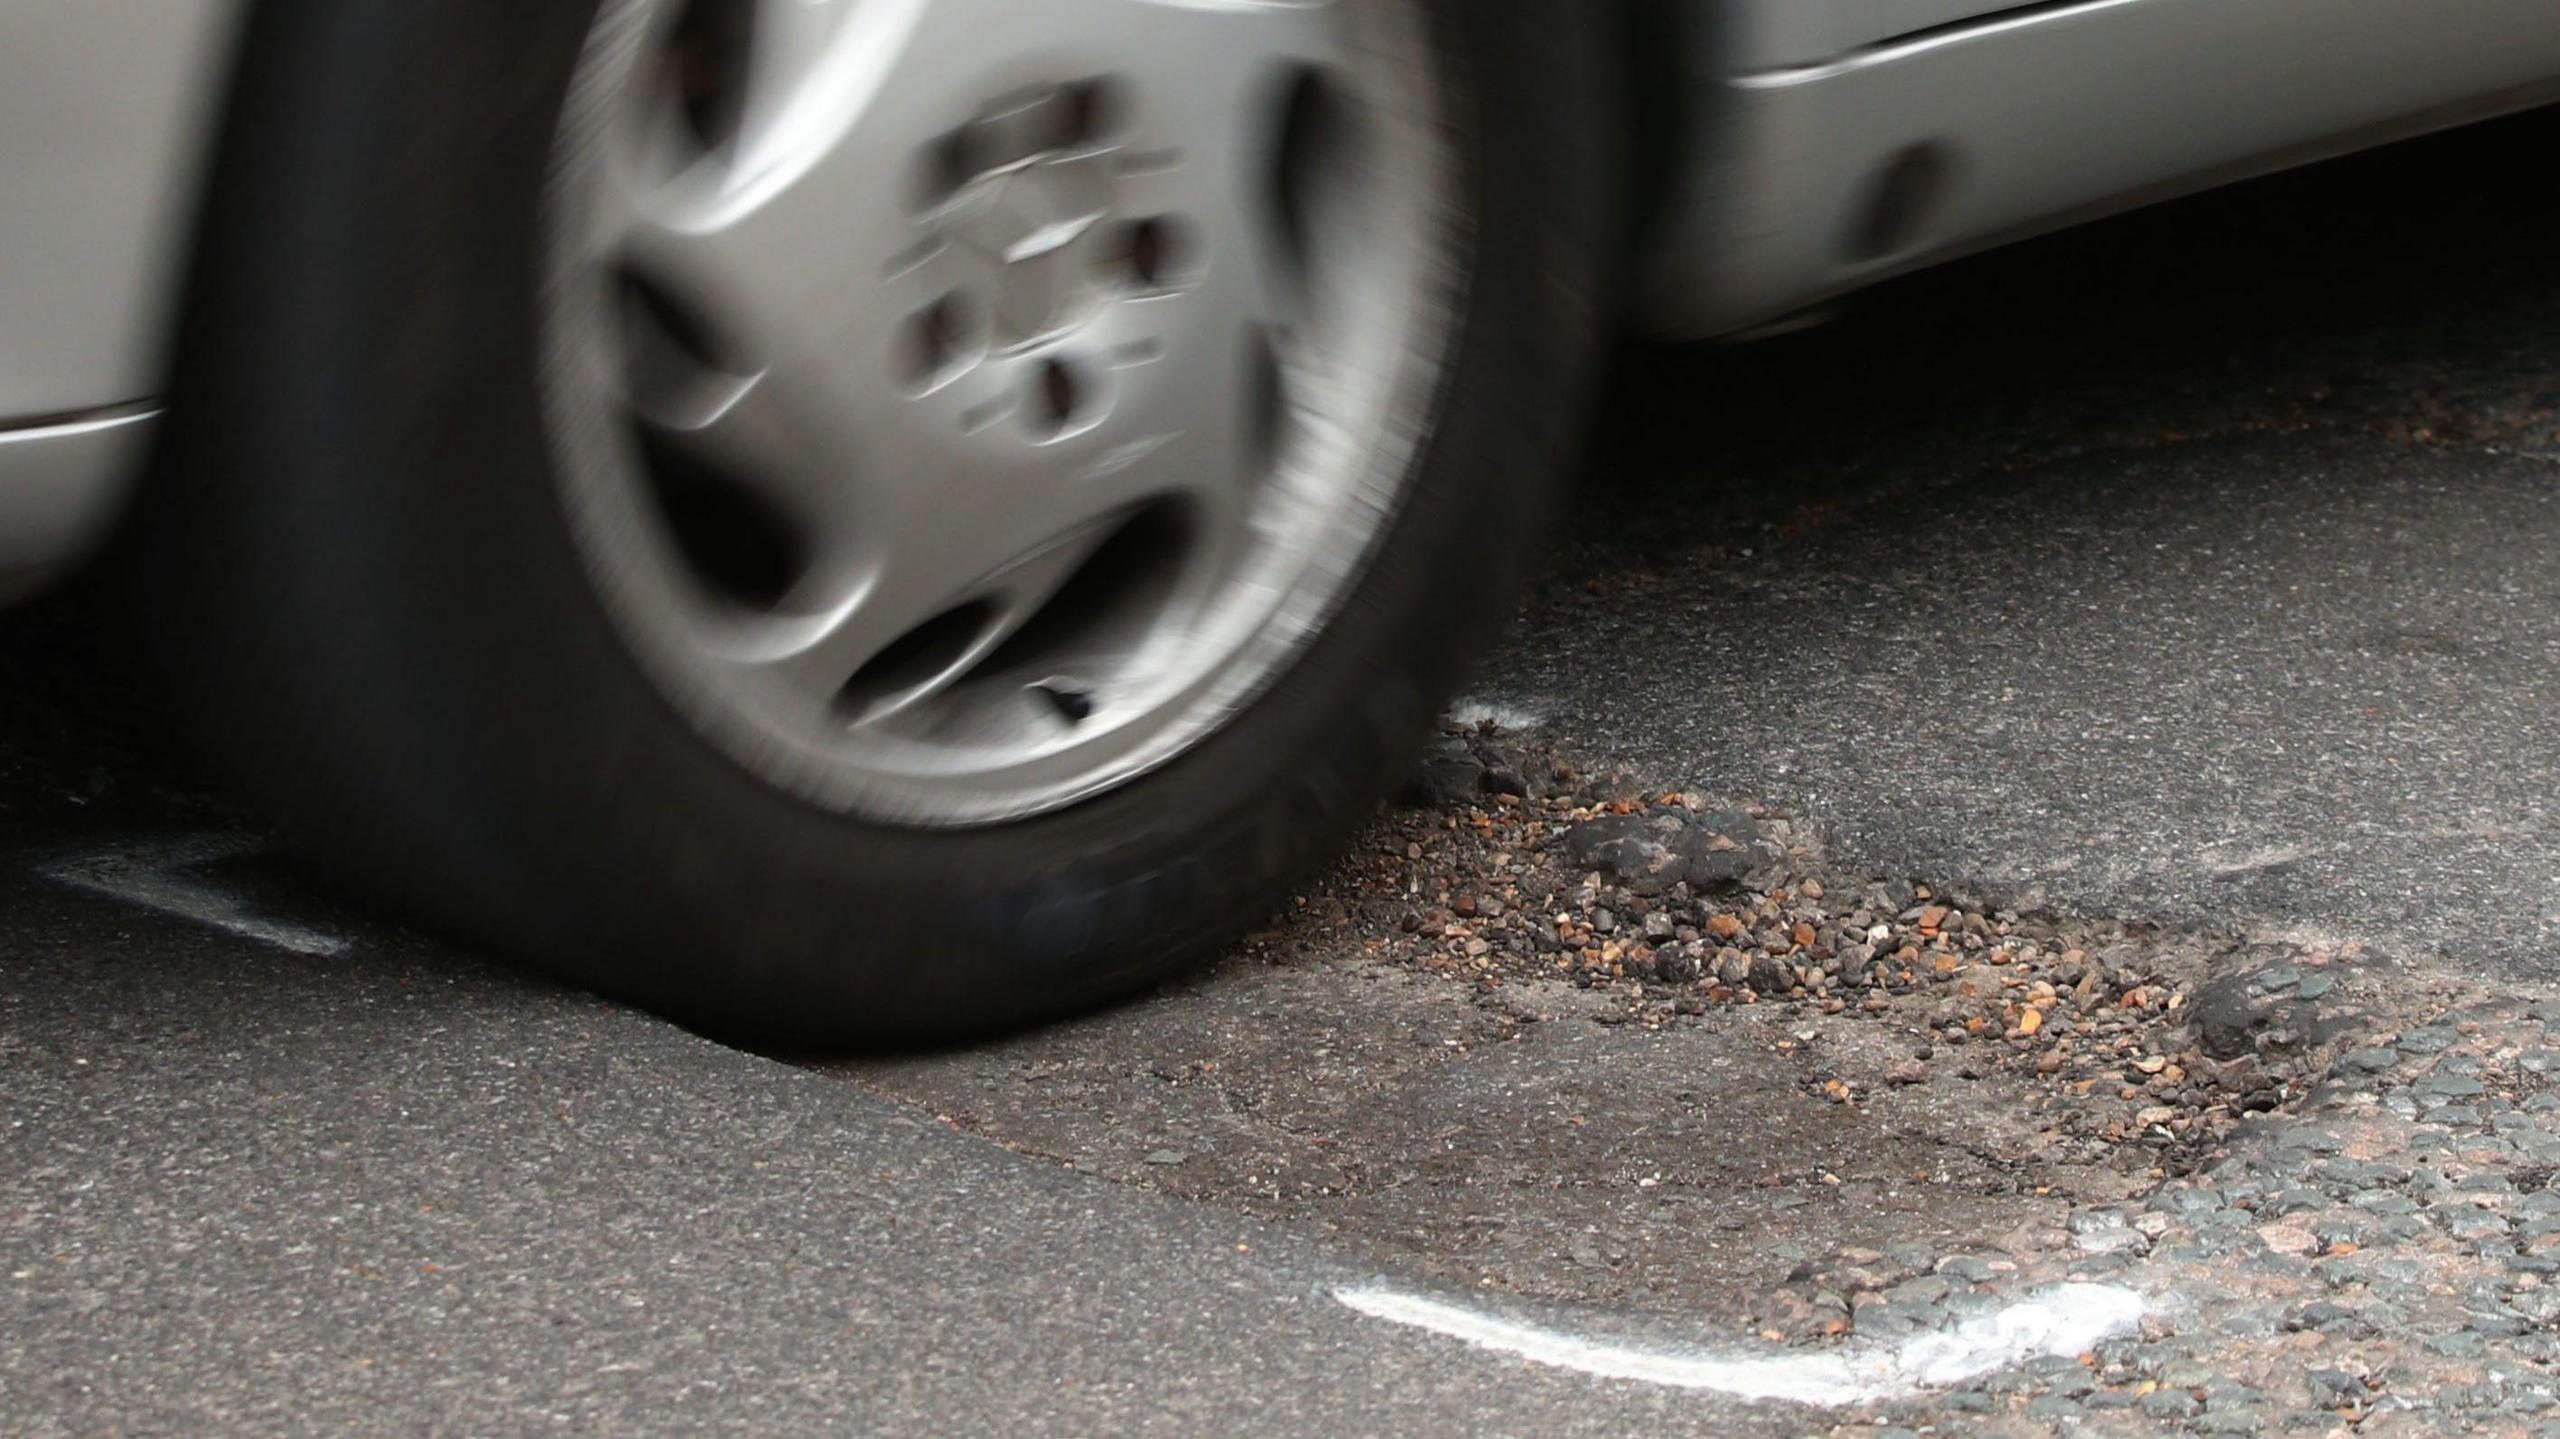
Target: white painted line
(2065,1320)
(151,875)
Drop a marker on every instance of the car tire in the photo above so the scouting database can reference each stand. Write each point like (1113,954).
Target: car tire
(375,598)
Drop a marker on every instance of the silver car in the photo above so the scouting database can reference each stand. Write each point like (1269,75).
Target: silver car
(878,519)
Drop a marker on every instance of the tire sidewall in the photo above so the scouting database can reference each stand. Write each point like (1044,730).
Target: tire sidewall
(451,712)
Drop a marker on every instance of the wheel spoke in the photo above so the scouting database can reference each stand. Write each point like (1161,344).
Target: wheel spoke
(792,46)
(918,626)
(749,432)
(1186,423)
(788,242)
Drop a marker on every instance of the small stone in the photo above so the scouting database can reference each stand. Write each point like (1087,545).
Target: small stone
(2426,1041)
(1771,975)
(2470,1222)
(1925,1290)
(2293,1239)
(1449,780)
(2171,1404)
(2327,1316)
(2332,1387)
(1966,1268)
(2277,976)
(2104,1231)
(1167,1156)
(1653,852)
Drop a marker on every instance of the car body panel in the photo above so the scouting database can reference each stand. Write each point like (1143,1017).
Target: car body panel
(2045,115)
(1807,32)
(1791,112)
(107,114)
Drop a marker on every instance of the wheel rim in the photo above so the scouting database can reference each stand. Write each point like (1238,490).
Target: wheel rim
(965,406)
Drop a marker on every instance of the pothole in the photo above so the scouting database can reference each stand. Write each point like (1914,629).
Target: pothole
(1651,1064)
(1551,1034)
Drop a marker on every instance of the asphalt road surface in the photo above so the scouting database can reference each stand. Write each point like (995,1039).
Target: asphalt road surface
(2196,567)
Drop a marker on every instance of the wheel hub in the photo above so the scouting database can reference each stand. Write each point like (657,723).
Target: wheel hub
(1027,229)
(1000,393)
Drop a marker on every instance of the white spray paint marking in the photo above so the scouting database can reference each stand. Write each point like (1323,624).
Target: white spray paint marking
(2065,1320)
(152,875)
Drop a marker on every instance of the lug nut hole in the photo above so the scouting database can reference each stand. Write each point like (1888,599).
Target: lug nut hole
(950,163)
(1062,395)
(1083,113)
(1146,252)
(938,338)
(1151,256)
(1059,397)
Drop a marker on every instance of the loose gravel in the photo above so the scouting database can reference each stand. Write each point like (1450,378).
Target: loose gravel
(1510,866)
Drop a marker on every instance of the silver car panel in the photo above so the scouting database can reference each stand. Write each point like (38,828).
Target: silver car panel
(106,117)
(2044,115)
